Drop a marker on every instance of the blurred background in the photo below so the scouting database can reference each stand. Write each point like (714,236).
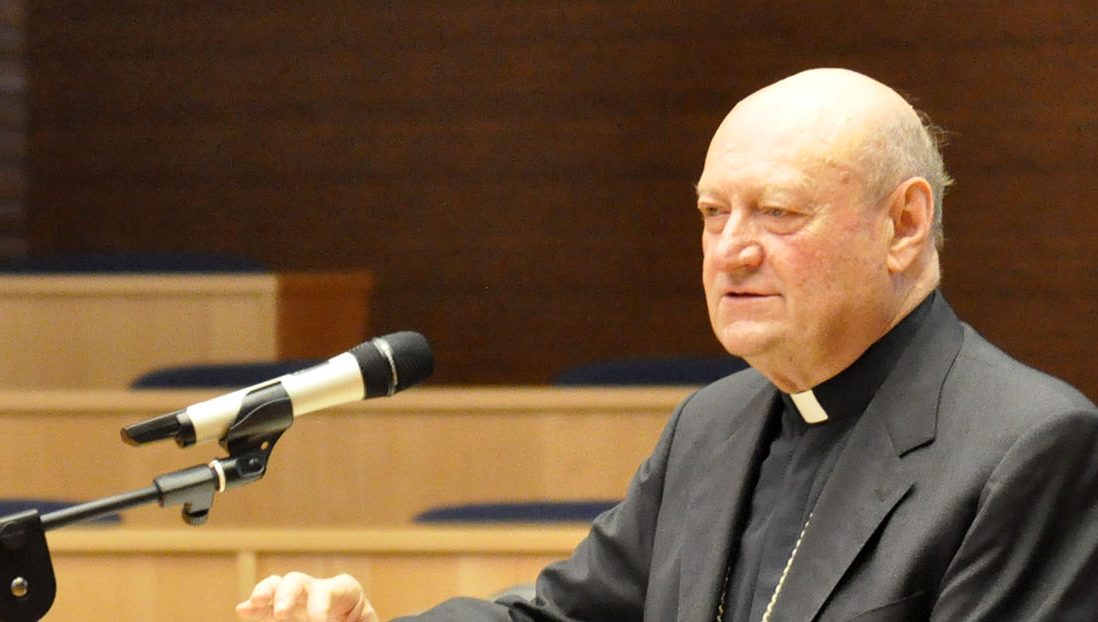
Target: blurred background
(517,175)
(512,179)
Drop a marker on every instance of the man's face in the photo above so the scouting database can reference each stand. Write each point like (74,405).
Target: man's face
(794,263)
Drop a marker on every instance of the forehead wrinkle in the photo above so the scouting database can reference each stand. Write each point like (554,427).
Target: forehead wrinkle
(734,170)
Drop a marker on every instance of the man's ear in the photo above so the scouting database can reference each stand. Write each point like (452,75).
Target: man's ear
(911,210)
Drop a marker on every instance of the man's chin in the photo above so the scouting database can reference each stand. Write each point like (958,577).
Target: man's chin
(747,343)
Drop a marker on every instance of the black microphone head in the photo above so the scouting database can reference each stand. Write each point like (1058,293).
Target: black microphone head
(394,362)
(413,357)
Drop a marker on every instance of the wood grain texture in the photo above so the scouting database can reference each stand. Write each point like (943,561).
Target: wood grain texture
(519,176)
(13,129)
(104,330)
(177,575)
(378,462)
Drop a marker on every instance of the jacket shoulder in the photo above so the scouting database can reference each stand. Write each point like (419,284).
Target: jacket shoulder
(986,375)
(718,408)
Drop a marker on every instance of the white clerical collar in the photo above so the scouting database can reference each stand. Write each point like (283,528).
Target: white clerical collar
(809,407)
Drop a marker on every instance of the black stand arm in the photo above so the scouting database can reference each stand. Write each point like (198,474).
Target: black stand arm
(27,583)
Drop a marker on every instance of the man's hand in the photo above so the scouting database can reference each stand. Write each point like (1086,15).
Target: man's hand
(297,597)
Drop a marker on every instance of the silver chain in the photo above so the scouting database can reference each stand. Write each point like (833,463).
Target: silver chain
(777,588)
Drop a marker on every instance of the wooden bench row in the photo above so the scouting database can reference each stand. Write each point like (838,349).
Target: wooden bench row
(127,574)
(376,462)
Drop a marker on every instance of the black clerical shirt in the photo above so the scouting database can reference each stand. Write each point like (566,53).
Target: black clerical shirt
(795,468)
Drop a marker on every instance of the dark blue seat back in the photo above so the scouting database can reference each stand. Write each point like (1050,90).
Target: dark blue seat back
(45,506)
(681,370)
(517,512)
(219,375)
(151,262)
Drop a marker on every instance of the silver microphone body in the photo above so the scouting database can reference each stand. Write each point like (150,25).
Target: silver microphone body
(376,368)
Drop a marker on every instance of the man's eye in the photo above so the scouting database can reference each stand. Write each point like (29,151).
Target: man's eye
(776,212)
(709,211)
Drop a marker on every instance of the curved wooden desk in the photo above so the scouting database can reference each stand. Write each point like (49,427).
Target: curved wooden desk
(342,486)
(122,574)
(377,462)
(103,329)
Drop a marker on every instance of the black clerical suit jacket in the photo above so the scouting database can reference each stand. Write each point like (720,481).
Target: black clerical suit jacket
(967,491)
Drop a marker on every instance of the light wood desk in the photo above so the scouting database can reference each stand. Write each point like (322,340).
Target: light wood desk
(103,330)
(375,462)
(121,574)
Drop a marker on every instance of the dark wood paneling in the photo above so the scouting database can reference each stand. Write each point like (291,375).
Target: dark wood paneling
(518,175)
(12,129)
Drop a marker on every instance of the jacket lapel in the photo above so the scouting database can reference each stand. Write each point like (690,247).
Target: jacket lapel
(715,508)
(869,479)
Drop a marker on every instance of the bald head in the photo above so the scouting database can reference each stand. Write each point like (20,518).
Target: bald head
(824,111)
(841,118)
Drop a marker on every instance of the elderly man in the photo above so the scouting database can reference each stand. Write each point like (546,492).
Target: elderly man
(879,462)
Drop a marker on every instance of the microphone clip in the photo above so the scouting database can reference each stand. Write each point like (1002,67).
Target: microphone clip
(265,415)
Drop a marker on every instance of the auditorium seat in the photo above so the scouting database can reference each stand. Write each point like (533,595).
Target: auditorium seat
(517,512)
(46,506)
(677,370)
(641,371)
(218,375)
(138,262)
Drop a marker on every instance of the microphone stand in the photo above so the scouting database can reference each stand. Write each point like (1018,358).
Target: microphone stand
(27,583)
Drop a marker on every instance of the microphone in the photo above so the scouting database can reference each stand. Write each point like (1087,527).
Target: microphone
(377,368)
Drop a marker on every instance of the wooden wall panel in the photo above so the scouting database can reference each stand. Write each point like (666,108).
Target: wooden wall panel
(182,574)
(105,330)
(367,463)
(519,175)
(13,123)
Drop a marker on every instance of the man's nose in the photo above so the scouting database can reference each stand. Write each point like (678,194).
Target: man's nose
(737,246)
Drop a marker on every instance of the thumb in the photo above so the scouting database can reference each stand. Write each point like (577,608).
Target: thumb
(339,599)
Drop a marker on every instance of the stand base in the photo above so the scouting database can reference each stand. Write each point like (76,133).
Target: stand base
(27,583)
